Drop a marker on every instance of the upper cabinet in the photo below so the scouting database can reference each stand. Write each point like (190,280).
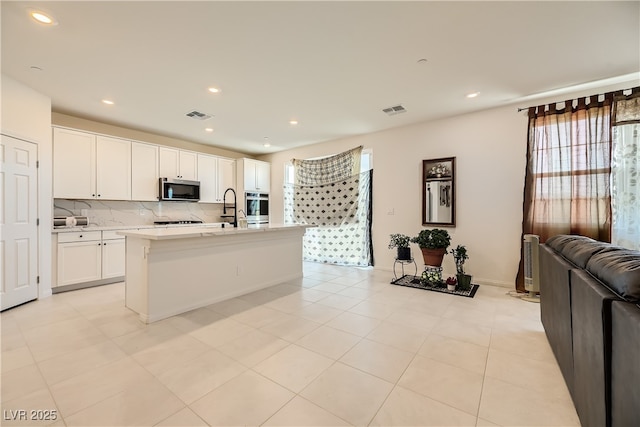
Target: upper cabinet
(89,166)
(144,172)
(113,168)
(86,166)
(256,175)
(215,174)
(74,164)
(179,164)
(226,175)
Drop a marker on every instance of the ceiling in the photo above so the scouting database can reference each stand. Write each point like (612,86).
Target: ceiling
(332,66)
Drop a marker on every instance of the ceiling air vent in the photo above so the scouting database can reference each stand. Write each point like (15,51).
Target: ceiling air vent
(396,109)
(198,115)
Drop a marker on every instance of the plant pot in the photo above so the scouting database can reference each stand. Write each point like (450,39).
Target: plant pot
(464,281)
(451,287)
(433,257)
(404,254)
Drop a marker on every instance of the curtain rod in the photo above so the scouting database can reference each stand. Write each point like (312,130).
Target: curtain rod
(617,92)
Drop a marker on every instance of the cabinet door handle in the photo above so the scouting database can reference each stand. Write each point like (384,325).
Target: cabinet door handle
(81,236)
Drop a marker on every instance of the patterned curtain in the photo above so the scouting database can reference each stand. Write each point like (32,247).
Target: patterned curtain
(625,172)
(327,169)
(567,180)
(331,194)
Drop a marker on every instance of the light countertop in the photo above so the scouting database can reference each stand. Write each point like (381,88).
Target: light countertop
(166,233)
(137,227)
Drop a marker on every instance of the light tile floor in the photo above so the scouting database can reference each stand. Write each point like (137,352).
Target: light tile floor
(339,347)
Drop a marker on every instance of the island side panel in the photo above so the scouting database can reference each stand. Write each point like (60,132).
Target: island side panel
(186,274)
(136,291)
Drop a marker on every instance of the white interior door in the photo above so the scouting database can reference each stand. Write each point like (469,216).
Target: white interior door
(18,216)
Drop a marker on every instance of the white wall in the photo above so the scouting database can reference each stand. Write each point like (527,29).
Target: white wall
(26,114)
(490,151)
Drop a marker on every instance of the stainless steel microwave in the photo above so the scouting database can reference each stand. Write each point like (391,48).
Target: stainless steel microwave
(179,190)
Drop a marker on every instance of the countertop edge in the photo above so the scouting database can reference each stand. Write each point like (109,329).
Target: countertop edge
(186,233)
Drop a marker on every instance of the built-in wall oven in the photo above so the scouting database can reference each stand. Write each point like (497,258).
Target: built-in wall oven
(257,208)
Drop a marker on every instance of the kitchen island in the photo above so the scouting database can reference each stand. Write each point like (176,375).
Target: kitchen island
(174,270)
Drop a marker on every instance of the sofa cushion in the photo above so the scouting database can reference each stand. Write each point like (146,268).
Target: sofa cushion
(625,365)
(579,252)
(591,333)
(558,242)
(555,308)
(619,270)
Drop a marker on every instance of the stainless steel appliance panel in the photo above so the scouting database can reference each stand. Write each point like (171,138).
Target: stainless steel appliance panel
(257,208)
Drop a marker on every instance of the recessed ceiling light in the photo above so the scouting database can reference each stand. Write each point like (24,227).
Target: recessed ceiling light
(208,129)
(35,68)
(266,142)
(108,102)
(42,17)
(422,61)
(214,90)
(473,94)
(293,122)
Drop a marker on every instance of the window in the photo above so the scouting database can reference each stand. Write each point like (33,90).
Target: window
(569,168)
(569,164)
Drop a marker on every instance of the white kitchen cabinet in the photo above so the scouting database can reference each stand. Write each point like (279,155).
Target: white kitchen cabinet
(226,175)
(215,174)
(256,175)
(89,256)
(113,255)
(208,177)
(179,164)
(188,165)
(79,257)
(74,160)
(144,172)
(113,168)
(87,166)
(168,162)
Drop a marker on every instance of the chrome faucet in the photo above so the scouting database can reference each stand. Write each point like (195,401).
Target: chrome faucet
(235,204)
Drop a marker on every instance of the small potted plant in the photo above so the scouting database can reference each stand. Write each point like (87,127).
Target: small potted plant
(460,256)
(432,277)
(451,283)
(434,244)
(401,242)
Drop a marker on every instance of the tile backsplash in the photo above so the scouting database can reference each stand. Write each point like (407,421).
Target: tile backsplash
(103,213)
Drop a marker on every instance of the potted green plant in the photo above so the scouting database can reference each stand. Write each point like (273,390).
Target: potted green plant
(434,244)
(460,256)
(401,242)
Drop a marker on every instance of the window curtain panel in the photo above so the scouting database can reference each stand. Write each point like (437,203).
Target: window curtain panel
(328,169)
(625,172)
(567,180)
(338,202)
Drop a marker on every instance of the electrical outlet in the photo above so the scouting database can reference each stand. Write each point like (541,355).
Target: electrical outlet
(237,270)
(391,211)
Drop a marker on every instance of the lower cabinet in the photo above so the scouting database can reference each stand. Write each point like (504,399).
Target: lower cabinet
(113,259)
(84,257)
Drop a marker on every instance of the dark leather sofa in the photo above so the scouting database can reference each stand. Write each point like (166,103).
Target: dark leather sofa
(589,307)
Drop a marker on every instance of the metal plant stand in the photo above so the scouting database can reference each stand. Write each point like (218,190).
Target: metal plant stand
(402,263)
